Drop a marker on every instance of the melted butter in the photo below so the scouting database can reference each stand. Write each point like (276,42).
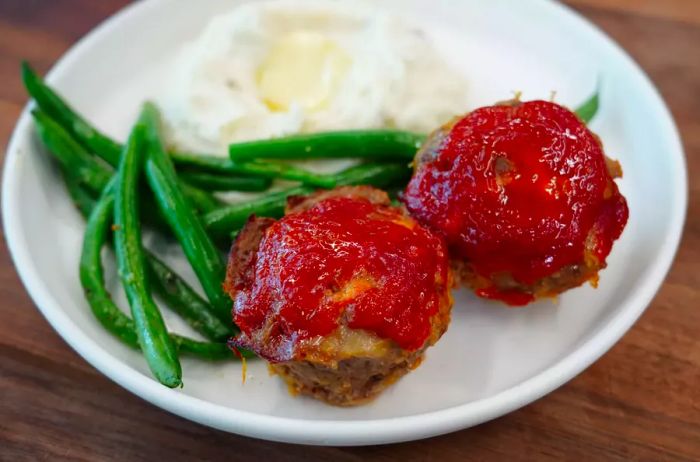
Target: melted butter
(305,68)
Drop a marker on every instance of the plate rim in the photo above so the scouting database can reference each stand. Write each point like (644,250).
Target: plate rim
(343,432)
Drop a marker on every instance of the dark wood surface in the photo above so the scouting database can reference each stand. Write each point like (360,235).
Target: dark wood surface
(641,401)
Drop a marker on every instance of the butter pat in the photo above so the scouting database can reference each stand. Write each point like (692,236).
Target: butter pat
(303,67)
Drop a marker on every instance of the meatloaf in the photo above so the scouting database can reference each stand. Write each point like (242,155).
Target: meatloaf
(523,195)
(342,296)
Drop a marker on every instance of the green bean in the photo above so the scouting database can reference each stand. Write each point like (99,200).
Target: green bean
(88,136)
(215,182)
(223,221)
(196,244)
(285,172)
(201,201)
(81,169)
(182,299)
(205,163)
(109,150)
(62,113)
(589,108)
(271,170)
(99,299)
(366,144)
(72,156)
(206,350)
(157,347)
(91,276)
(82,199)
(175,292)
(375,174)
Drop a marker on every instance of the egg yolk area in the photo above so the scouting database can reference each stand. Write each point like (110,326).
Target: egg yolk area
(521,189)
(345,260)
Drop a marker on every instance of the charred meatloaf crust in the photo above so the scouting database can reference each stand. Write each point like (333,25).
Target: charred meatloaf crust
(524,196)
(342,295)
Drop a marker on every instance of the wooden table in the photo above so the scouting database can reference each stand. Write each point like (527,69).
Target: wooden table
(641,401)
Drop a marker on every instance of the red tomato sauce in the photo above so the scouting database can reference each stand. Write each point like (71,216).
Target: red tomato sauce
(517,189)
(305,261)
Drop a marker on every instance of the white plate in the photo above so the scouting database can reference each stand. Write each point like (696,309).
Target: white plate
(493,359)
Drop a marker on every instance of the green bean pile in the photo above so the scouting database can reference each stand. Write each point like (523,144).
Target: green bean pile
(122,188)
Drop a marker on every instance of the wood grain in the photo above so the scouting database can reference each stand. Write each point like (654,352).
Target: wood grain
(679,10)
(641,401)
